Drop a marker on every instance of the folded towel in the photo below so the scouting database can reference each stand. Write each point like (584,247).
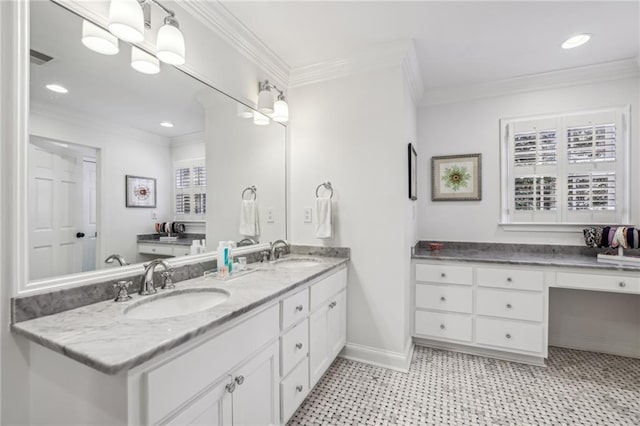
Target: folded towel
(323,213)
(249,220)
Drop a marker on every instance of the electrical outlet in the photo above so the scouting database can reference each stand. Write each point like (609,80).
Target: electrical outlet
(154,215)
(270,218)
(307,215)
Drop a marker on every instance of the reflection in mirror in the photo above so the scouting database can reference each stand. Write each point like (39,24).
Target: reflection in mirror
(99,120)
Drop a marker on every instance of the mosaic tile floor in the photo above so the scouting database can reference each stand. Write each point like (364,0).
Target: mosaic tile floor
(448,388)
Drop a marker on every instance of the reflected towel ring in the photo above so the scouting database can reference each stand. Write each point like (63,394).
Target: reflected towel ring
(251,188)
(327,186)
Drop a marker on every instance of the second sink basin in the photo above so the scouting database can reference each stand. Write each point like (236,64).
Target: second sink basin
(294,263)
(176,303)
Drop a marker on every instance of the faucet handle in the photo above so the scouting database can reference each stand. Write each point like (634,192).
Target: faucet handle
(265,256)
(167,279)
(122,295)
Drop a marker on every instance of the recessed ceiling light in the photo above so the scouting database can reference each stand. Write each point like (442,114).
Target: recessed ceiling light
(57,88)
(575,41)
(166,124)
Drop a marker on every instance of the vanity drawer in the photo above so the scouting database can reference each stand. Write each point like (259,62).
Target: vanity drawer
(446,274)
(617,283)
(510,304)
(294,346)
(443,326)
(181,250)
(295,308)
(510,334)
(444,298)
(326,288)
(293,390)
(159,249)
(517,279)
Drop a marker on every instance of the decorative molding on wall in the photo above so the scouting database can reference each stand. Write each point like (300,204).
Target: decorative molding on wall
(215,16)
(400,53)
(382,358)
(615,70)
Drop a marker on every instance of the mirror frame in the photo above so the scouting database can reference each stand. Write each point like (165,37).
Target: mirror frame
(19,103)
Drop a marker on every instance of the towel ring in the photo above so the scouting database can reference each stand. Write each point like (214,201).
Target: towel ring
(327,186)
(253,190)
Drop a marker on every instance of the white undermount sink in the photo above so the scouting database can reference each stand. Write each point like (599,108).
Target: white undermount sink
(177,303)
(295,263)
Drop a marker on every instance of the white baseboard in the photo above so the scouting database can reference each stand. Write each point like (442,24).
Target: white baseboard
(398,361)
(619,349)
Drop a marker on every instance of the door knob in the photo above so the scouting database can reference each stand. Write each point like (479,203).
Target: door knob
(80,235)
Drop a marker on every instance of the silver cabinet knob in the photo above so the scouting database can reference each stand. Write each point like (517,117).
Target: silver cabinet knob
(239,380)
(622,284)
(299,388)
(443,275)
(508,305)
(508,336)
(230,387)
(298,345)
(441,326)
(509,279)
(442,298)
(299,308)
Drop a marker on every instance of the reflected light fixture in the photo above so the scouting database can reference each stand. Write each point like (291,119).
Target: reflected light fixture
(260,119)
(243,111)
(57,88)
(170,42)
(143,62)
(98,39)
(575,41)
(126,20)
(167,124)
(279,110)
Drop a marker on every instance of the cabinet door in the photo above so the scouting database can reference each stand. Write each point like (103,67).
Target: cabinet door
(337,324)
(318,343)
(256,398)
(213,408)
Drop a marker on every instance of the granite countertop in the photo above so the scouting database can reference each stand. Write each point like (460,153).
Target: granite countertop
(102,337)
(520,254)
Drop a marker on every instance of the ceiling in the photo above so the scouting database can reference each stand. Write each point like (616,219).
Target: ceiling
(457,43)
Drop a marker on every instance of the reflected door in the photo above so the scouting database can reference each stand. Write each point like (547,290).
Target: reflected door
(89,214)
(55,245)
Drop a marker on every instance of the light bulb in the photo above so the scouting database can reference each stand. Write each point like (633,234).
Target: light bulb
(280,111)
(126,20)
(143,62)
(99,40)
(260,119)
(170,43)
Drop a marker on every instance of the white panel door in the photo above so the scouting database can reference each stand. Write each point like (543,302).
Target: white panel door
(89,214)
(256,398)
(55,178)
(337,324)
(318,343)
(213,408)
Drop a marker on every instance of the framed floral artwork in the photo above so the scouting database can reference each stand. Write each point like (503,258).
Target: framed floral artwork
(456,178)
(140,191)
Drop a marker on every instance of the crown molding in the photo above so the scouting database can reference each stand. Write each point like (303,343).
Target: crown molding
(400,53)
(217,17)
(615,70)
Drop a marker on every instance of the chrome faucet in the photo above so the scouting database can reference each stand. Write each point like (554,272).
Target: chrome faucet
(247,242)
(117,257)
(276,249)
(147,286)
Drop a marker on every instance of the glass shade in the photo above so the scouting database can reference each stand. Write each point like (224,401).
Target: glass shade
(260,119)
(170,45)
(280,111)
(265,101)
(143,62)
(99,40)
(126,20)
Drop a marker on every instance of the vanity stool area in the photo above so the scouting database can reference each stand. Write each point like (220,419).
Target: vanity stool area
(493,299)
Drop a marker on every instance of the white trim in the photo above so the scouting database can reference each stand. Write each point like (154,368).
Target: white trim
(589,74)
(399,53)
(217,17)
(398,361)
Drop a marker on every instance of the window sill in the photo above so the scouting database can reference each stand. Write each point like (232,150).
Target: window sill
(549,227)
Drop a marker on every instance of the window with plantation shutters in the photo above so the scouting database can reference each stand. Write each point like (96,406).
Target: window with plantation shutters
(190,190)
(566,169)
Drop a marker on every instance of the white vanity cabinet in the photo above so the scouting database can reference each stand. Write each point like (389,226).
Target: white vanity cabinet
(173,250)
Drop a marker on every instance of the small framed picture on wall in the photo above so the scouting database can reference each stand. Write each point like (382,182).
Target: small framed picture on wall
(413,173)
(456,178)
(140,191)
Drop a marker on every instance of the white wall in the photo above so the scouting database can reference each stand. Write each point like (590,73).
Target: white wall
(352,132)
(472,127)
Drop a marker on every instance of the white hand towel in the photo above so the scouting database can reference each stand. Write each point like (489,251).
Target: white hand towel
(249,219)
(324,227)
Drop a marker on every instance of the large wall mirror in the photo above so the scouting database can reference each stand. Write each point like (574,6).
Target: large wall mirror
(112,152)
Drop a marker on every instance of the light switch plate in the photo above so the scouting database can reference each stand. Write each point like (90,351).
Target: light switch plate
(154,215)
(270,218)
(308,215)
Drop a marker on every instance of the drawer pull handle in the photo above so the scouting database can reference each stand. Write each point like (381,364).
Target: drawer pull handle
(509,279)
(299,388)
(298,345)
(622,284)
(508,305)
(443,298)
(508,336)
(441,326)
(443,275)
(230,387)
(299,308)
(240,380)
